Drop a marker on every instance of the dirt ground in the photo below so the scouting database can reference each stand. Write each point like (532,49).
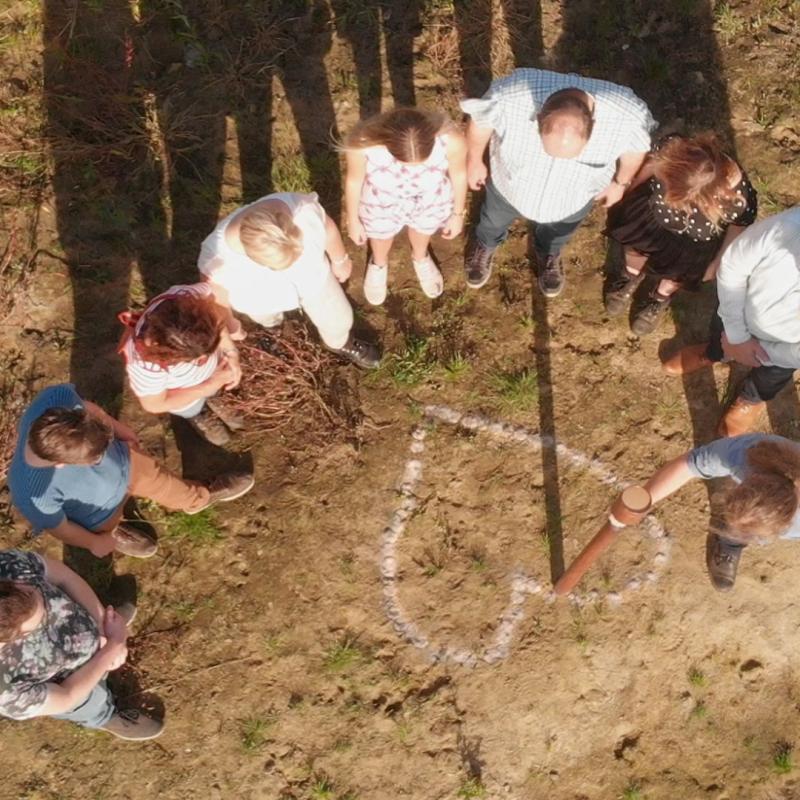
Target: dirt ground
(288,665)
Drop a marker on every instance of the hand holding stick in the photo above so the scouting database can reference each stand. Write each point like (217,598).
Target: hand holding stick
(629,508)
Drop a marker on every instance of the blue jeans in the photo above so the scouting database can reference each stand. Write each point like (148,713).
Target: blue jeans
(95,711)
(497,216)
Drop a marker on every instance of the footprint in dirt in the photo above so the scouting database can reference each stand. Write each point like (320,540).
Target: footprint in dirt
(468,543)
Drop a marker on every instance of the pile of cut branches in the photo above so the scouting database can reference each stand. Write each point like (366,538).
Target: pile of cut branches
(285,379)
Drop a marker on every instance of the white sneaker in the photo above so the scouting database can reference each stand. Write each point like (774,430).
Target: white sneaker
(430,279)
(375,283)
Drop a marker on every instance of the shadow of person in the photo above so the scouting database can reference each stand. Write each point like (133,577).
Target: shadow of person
(477,29)
(362,25)
(126,689)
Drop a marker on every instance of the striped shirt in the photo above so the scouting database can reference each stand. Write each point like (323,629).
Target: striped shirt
(540,187)
(88,494)
(147,378)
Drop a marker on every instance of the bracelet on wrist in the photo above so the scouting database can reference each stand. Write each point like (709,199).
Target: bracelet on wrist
(337,262)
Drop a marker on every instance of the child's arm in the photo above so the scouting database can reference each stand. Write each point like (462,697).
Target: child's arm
(646,171)
(356,172)
(341,265)
(225,376)
(672,476)
(121,430)
(222,299)
(477,140)
(63,577)
(98,544)
(457,169)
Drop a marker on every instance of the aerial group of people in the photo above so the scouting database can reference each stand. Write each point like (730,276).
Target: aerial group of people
(680,208)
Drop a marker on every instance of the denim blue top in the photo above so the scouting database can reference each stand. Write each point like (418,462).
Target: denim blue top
(87,494)
(727,458)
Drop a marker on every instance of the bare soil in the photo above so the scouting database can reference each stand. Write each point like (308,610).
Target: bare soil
(263,630)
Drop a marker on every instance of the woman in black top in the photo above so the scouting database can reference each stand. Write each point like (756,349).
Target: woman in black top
(688,202)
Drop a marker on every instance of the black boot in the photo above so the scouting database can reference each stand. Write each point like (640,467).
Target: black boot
(619,290)
(647,319)
(361,353)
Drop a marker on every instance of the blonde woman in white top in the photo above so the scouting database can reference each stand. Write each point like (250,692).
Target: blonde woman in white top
(280,253)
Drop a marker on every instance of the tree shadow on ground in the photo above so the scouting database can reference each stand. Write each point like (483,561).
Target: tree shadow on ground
(362,24)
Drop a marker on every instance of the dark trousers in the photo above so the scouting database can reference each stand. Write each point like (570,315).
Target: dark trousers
(762,383)
(497,216)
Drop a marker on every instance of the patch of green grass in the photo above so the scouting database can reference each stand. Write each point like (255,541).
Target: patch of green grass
(184,610)
(322,789)
(275,644)
(697,677)
(200,528)
(473,789)
(456,367)
(343,655)
(413,365)
(253,731)
(728,22)
(782,757)
(300,173)
(633,791)
(700,710)
(518,390)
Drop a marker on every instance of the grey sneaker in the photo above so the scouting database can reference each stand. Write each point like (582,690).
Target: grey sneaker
(551,275)
(478,264)
(722,560)
(210,427)
(133,726)
(361,353)
(225,488)
(133,542)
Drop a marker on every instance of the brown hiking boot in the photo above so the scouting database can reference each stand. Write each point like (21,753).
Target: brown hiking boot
(740,418)
(133,726)
(210,427)
(225,488)
(133,542)
(722,561)
(688,360)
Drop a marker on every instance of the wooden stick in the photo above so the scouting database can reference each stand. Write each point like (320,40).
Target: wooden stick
(628,509)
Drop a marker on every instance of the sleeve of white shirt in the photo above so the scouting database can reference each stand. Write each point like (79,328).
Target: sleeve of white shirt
(738,262)
(487,111)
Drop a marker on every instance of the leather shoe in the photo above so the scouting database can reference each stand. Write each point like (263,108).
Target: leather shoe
(740,418)
(688,360)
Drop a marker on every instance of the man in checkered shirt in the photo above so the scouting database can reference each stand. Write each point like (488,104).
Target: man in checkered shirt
(559,144)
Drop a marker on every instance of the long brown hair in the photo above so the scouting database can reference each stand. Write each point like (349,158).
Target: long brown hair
(765,503)
(182,327)
(697,173)
(407,133)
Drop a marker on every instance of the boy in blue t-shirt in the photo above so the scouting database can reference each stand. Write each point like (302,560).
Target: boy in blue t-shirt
(763,506)
(74,467)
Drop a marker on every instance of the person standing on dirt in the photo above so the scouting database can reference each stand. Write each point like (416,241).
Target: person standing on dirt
(57,644)
(280,253)
(559,144)
(763,506)
(75,466)
(405,169)
(758,319)
(178,355)
(687,204)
